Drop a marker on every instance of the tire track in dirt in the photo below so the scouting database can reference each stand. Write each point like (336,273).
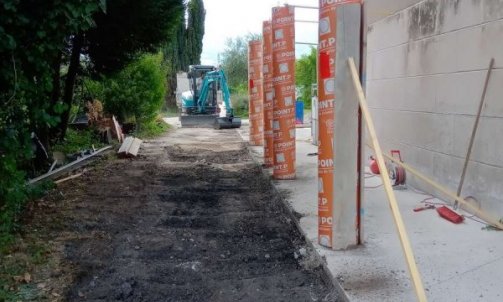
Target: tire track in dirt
(194,219)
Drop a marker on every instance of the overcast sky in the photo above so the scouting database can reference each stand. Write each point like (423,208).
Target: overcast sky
(233,18)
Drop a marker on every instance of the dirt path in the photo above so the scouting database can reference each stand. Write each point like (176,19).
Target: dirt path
(193,219)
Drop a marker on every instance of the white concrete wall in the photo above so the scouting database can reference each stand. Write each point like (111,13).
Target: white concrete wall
(376,10)
(425,72)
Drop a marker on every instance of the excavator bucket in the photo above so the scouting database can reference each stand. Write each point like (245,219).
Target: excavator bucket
(227,123)
(198,121)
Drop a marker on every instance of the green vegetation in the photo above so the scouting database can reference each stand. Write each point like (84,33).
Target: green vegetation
(235,64)
(136,93)
(57,55)
(195,31)
(152,129)
(305,76)
(33,35)
(235,61)
(76,140)
(239,100)
(185,49)
(13,207)
(15,265)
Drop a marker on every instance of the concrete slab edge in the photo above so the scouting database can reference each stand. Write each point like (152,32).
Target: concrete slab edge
(287,209)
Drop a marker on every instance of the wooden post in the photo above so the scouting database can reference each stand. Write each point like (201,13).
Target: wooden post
(474,131)
(404,239)
(346,178)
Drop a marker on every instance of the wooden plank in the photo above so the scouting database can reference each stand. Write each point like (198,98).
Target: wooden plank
(404,239)
(68,178)
(67,168)
(130,147)
(488,218)
(346,207)
(126,145)
(118,130)
(135,147)
(474,131)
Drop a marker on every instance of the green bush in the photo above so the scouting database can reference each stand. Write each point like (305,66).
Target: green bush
(136,93)
(152,129)
(77,140)
(15,194)
(240,104)
(305,75)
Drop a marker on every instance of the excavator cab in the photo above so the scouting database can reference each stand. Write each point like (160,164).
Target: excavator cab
(201,106)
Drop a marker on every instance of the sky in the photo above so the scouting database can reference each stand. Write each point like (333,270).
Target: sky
(232,18)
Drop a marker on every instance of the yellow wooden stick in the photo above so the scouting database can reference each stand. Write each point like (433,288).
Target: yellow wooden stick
(409,255)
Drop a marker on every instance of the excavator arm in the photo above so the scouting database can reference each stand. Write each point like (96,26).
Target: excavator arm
(215,78)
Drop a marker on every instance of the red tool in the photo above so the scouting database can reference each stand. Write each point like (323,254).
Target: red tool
(396,172)
(425,207)
(450,215)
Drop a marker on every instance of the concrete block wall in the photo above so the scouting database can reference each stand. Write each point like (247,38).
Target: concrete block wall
(425,73)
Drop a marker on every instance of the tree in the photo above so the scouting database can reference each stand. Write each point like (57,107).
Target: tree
(186,48)
(235,60)
(43,47)
(125,30)
(136,93)
(33,35)
(128,28)
(305,75)
(195,31)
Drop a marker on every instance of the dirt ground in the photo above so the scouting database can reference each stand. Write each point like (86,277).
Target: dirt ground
(192,219)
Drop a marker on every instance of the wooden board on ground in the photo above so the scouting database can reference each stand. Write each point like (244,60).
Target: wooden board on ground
(130,147)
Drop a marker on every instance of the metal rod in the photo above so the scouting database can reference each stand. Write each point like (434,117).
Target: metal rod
(306,21)
(395,210)
(306,43)
(474,132)
(67,168)
(303,6)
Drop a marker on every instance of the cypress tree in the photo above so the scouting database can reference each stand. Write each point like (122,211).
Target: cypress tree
(195,31)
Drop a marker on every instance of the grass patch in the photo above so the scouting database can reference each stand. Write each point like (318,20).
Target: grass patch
(10,213)
(16,265)
(152,129)
(77,140)
(240,104)
(170,112)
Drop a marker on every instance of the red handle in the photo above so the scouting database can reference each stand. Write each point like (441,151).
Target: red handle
(393,152)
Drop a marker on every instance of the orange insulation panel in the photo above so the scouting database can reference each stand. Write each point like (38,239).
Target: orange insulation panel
(268,88)
(326,99)
(326,82)
(255,92)
(283,48)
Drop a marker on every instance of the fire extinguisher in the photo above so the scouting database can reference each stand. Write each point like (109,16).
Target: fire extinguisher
(374,168)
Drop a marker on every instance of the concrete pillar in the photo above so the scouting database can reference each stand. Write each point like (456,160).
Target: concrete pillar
(283,47)
(268,88)
(347,208)
(326,74)
(326,98)
(255,92)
